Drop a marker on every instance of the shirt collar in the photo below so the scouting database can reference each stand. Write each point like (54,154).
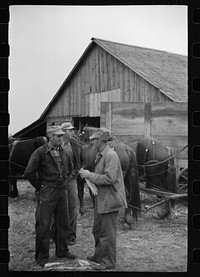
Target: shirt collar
(49,148)
(105,149)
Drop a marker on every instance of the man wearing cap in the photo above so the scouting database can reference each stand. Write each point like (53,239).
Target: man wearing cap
(108,178)
(74,151)
(47,170)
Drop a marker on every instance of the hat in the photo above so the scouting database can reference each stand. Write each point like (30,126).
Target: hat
(101,133)
(67,126)
(55,130)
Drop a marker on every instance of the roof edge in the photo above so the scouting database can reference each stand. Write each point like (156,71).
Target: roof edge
(66,80)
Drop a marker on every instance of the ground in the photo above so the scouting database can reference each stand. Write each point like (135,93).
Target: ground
(153,245)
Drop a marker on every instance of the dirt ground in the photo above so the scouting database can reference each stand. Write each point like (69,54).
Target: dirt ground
(153,245)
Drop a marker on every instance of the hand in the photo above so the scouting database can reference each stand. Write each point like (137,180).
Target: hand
(84,173)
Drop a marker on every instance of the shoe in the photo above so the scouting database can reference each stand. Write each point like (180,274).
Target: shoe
(92,259)
(42,264)
(71,242)
(68,255)
(99,267)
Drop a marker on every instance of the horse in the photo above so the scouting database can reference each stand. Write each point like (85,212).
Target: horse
(156,167)
(20,152)
(128,162)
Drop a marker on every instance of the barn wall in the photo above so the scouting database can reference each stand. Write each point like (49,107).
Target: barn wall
(165,121)
(98,75)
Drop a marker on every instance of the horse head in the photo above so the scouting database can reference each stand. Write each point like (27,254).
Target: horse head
(155,163)
(89,156)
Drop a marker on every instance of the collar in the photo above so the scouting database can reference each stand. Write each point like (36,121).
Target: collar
(104,150)
(49,148)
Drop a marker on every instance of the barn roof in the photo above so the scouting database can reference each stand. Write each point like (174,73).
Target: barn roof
(33,127)
(164,70)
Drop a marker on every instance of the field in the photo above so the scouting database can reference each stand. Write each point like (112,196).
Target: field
(153,245)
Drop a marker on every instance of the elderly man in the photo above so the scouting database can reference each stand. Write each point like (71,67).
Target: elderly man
(47,171)
(108,178)
(74,151)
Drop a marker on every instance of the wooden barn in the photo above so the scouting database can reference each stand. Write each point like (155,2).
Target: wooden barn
(133,91)
(113,72)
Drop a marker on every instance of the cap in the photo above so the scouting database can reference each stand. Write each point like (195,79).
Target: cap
(55,130)
(101,133)
(67,126)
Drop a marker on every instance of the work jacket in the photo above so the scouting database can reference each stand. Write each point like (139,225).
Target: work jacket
(45,175)
(108,178)
(77,156)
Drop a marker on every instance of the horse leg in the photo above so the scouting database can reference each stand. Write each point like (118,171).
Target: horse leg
(127,216)
(132,195)
(13,185)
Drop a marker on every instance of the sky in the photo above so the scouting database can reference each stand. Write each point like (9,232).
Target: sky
(47,41)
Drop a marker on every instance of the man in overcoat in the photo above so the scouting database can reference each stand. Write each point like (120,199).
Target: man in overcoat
(108,178)
(47,171)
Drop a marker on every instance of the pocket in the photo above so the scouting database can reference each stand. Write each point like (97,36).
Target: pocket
(114,199)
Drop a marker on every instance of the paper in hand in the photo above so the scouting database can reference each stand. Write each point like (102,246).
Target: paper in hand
(92,187)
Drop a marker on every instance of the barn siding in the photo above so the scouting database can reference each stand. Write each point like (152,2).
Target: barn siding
(101,72)
(168,122)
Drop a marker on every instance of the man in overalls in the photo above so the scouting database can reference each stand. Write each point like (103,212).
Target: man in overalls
(47,171)
(75,152)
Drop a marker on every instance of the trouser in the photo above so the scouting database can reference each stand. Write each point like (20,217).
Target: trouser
(72,196)
(44,212)
(105,234)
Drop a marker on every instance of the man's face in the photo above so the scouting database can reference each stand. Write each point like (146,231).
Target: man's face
(56,140)
(69,134)
(96,142)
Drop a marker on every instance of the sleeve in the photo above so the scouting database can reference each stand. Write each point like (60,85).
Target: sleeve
(70,165)
(109,176)
(78,152)
(82,157)
(31,171)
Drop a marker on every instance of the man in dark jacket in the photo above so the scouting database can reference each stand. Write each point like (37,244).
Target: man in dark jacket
(108,178)
(47,170)
(75,152)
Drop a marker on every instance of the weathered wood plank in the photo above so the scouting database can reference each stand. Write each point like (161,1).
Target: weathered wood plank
(126,84)
(109,117)
(147,119)
(169,119)
(131,121)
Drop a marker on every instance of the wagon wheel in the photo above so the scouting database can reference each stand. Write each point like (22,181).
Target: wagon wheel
(182,181)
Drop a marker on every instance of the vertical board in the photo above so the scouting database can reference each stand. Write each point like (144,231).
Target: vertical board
(126,85)
(109,117)
(127,119)
(147,120)
(109,70)
(118,65)
(166,121)
(169,118)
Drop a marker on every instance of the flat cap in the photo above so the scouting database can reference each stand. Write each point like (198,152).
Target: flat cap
(56,130)
(101,133)
(67,126)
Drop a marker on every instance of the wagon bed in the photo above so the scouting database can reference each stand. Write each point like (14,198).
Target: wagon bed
(165,196)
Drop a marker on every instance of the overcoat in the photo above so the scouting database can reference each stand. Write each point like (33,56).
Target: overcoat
(108,177)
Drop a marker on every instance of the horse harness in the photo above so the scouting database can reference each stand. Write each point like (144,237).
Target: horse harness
(154,161)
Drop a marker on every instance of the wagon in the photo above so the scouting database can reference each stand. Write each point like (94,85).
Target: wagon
(182,190)
(182,180)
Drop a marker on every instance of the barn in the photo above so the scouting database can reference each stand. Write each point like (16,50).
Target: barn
(133,91)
